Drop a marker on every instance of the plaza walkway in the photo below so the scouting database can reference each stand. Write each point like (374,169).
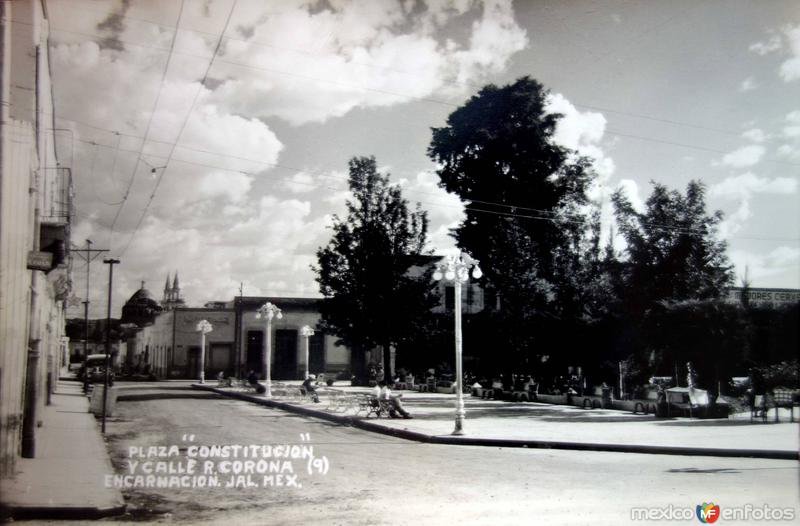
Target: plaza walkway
(491,422)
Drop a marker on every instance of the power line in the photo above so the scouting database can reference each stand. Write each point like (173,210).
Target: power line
(543,214)
(222,37)
(149,123)
(376,66)
(397,70)
(91,173)
(183,127)
(690,146)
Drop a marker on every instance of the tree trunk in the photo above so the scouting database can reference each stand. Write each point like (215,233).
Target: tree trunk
(387,363)
(357,365)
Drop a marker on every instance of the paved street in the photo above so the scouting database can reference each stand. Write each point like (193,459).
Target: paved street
(375,479)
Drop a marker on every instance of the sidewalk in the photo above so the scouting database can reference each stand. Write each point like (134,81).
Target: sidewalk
(538,425)
(65,480)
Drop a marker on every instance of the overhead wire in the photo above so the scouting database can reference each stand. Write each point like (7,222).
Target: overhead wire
(222,37)
(370,65)
(183,127)
(91,174)
(394,69)
(149,124)
(543,215)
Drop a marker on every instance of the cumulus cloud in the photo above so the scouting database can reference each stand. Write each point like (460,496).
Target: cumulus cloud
(445,210)
(300,183)
(788,42)
(790,69)
(742,188)
(791,135)
(755,135)
(583,132)
(748,84)
(767,46)
(749,183)
(234,186)
(780,266)
(631,190)
(792,128)
(212,208)
(743,157)
(373,55)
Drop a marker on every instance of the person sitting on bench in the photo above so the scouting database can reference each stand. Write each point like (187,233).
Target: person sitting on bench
(394,401)
(310,388)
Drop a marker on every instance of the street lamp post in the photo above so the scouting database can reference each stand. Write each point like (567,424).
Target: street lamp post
(306,332)
(456,269)
(203,327)
(268,311)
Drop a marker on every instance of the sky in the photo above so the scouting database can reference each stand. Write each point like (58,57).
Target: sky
(212,137)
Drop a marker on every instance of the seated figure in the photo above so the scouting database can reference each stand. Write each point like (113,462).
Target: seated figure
(385,393)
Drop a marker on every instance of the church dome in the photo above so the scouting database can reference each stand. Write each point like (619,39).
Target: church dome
(141,308)
(141,296)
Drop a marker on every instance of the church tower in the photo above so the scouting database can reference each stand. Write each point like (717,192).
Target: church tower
(172,294)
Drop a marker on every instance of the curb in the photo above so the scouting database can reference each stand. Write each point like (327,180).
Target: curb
(10,511)
(367,425)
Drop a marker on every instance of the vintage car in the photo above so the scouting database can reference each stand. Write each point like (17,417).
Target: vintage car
(96,367)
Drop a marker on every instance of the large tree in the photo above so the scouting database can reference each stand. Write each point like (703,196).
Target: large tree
(526,219)
(670,282)
(370,297)
(673,252)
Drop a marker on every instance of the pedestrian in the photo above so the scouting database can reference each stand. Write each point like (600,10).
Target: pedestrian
(691,376)
(497,388)
(661,402)
(310,389)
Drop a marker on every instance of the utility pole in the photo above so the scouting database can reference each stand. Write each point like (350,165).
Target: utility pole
(110,262)
(90,255)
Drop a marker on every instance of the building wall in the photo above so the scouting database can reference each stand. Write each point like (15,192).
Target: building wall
(151,347)
(171,345)
(220,355)
(336,358)
(34,191)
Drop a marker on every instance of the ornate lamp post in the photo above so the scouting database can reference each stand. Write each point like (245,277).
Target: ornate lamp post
(203,327)
(456,269)
(268,311)
(306,332)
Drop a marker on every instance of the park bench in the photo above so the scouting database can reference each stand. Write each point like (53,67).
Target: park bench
(687,402)
(371,405)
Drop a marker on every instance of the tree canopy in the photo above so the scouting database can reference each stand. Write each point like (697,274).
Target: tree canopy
(526,215)
(672,249)
(370,298)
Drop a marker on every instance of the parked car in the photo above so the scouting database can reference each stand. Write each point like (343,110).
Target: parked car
(96,366)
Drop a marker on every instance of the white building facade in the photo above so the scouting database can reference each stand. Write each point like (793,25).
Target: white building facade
(35,208)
